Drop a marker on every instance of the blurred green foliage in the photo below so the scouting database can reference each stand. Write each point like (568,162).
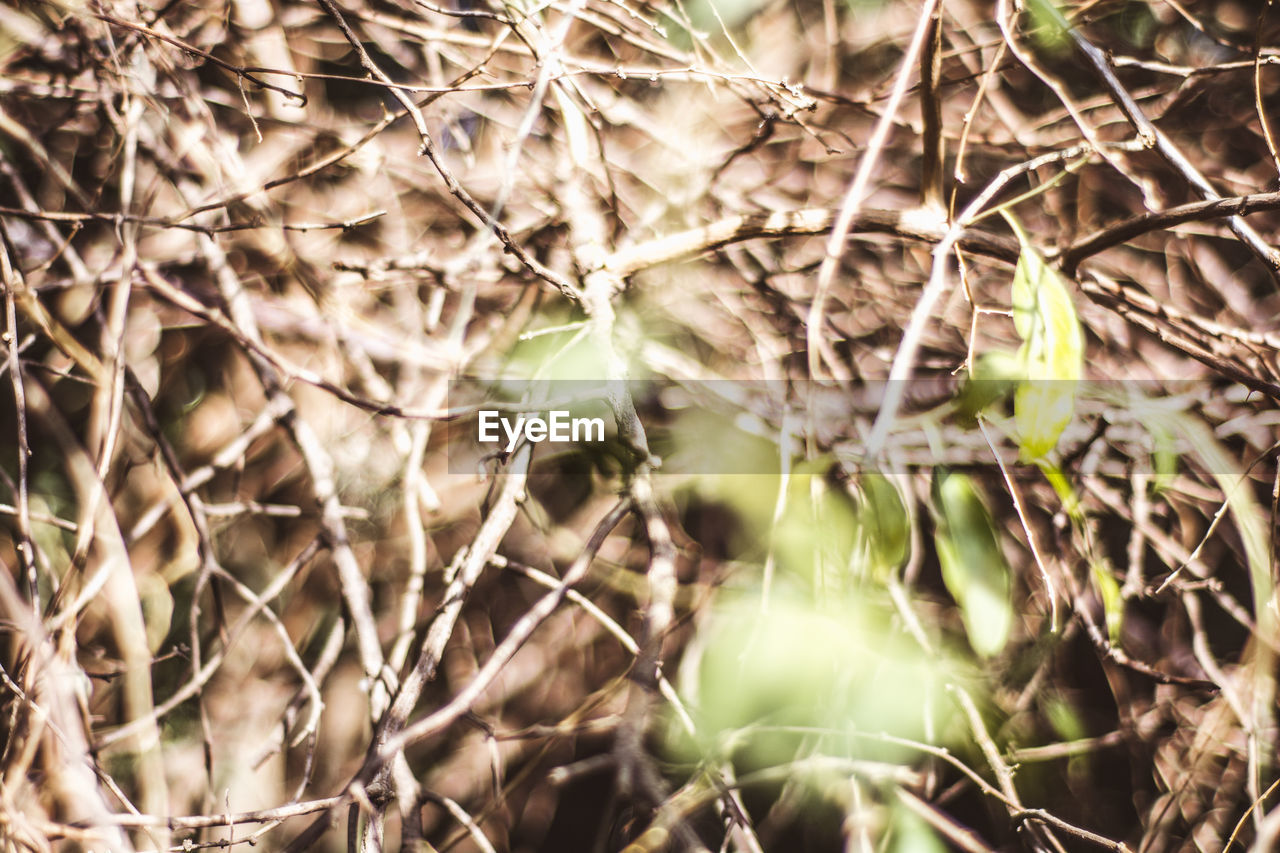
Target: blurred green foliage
(973,566)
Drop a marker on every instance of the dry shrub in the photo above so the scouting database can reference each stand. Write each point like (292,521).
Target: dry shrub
(253,597)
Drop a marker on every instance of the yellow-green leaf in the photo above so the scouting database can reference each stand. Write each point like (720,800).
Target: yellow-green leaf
(973,566)
(912,835)
(992,376)
(1112,601)
(1052,352)
(800,665)
(1041,411)
(1164,456)
(884,528)
(1062,486)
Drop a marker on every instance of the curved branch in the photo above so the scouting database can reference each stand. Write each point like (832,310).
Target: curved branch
(1157,220)
(911,224)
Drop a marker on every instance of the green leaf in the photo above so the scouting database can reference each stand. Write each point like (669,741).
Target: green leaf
(1048,28)
(912,835)
(1062,486)
(1112,602)
(1052,351)
(1164,457)
(973,566)
(992,377)
(1041,411)
(884,528)
(815,539)
(1063,716)
(1025,280)
(798,664)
